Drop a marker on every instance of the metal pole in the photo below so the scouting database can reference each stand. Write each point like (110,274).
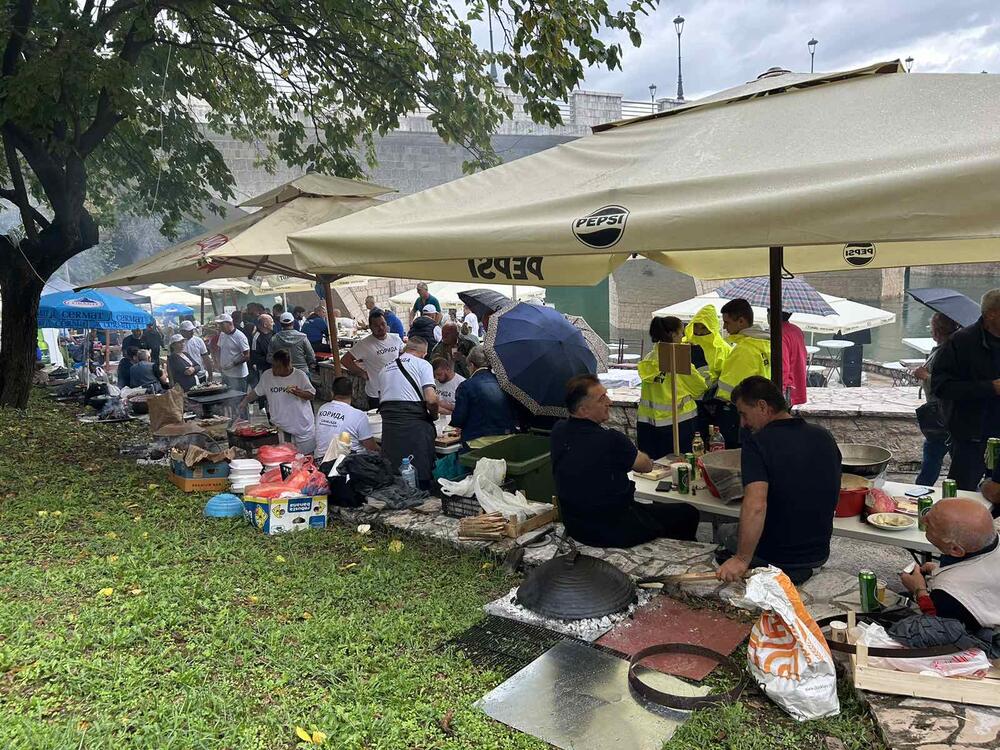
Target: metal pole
(202,306)
(331,323)
(680,80)
(776,265)
(812,60)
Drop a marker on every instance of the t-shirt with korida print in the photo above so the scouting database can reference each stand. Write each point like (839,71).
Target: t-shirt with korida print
(335,417)
(374,354)
(446,391)
(288,412)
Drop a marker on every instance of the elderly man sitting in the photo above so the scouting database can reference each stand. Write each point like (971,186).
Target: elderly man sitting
(965,585)
(481,408)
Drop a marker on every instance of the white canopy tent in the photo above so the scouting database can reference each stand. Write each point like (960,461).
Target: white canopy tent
(447,293)
(850,316)
(866,168)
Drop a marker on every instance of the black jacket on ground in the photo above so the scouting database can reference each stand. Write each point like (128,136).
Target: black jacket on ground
(964,371)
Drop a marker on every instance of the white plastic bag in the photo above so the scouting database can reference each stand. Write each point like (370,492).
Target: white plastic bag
(485,483)
(493,469)
(787,654)
(969,663)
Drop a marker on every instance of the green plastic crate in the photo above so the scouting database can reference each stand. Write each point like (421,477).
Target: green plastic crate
(529,465)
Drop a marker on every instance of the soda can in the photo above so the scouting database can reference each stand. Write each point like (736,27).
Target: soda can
(924,504)
(949,488)
(992,455)
(868,588)
(684,480)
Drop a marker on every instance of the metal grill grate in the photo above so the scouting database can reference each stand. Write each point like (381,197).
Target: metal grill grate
(508,646)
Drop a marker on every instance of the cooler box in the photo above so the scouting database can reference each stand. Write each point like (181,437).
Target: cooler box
(284,514)
(529,465)
(203,470)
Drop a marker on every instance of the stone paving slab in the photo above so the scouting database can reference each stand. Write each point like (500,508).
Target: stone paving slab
(918,724)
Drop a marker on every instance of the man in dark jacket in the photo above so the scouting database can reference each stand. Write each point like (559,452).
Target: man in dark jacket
(424,325)
(967,380)
(152,339)
(481,408)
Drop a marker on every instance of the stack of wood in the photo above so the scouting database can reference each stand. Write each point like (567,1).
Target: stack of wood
(485,527)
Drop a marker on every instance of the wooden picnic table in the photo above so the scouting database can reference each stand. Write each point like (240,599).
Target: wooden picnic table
(853,528)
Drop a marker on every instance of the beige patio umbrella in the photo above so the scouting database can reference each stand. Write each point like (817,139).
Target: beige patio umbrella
(865,168)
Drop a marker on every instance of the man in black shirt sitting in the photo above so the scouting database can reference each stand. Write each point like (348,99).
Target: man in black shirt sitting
(791,484)
(591,463)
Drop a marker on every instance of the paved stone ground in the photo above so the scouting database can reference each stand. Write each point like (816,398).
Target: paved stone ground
(905,723)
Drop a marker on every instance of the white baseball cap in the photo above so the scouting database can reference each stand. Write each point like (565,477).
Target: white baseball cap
(287,317)
(177,337)
(187,325)
(224,318)
(430,309)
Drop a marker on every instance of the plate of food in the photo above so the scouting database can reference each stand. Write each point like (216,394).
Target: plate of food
(208,389)
(892,521)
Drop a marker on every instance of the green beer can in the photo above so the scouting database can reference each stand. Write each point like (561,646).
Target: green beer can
(924,504)
(992,453)
(949,488)
(868,588)
(684,480)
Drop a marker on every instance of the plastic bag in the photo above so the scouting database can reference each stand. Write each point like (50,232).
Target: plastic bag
(277,454)
(969,663)
(493,469)
(788,655)
(449,468)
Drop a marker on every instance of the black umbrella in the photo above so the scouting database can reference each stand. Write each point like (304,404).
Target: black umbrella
(948,302)
(484,302)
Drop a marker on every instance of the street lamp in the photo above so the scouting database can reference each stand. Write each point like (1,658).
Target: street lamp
(493,62)
(909,64)
(812,52)
(652,97)
(679,25)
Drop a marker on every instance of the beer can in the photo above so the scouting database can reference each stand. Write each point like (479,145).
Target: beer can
(868,588)
(992,453)
(684,480)
(949,488)
(924,504)
(692,460)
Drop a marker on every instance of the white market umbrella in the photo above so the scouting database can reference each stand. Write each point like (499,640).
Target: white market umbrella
(447,293)
(165,294)
(848,316)
(867,168)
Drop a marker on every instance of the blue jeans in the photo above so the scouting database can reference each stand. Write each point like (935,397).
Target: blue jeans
(935,449)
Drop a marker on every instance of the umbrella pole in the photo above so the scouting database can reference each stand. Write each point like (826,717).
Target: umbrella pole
(777,256)
(202,320)
(673,401)
(331,323)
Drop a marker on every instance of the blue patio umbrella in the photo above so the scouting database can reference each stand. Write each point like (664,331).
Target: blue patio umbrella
(955,305)
(796,295)
(173,310)
(90,308)
(534,351)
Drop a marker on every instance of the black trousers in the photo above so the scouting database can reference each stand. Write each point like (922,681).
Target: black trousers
(968,463)
(640,524)
(657,442)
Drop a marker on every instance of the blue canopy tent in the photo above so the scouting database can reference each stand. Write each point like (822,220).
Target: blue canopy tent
(173,310)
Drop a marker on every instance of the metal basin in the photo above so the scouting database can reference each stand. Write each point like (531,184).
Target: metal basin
(867,461)
(576,587)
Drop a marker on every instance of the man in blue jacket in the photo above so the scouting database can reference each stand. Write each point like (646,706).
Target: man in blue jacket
(481,408)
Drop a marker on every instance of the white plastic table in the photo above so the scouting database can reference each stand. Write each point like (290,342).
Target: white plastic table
(853,528)
(924,346)
(836,346)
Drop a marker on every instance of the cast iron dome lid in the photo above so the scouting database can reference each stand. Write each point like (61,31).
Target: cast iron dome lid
(576,587)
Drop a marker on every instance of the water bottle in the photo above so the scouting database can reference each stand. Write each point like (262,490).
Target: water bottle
(717,443)
(408,473)
(698,445)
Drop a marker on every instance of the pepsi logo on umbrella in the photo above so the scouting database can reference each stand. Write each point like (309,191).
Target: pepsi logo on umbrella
(602,228)
(859,253)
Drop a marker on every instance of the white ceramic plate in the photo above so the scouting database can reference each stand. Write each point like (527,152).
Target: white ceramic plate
(892,521)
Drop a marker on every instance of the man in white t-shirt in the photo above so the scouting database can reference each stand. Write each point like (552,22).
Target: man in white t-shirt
(471,321)
(408,404)
(338,416)
(195,347)
(289,397)
(367,357)
(447,383)
(234,352)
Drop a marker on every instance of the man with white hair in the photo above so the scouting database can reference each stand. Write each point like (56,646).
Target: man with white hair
(967,380)
(234,353)
(195,347)
(965,585)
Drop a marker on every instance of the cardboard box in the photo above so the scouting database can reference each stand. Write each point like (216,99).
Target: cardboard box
(199,485)
(283,514)
(203,470)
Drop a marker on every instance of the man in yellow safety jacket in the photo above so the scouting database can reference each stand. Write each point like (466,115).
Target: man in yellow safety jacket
(703,331)
(655,418)
(751,354)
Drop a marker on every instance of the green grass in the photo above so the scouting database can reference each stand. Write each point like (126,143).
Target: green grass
(215,636)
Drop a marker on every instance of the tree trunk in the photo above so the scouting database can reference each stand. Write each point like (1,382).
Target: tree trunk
(19,292)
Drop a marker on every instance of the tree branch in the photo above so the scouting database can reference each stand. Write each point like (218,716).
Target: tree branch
(20,194)
(19,22)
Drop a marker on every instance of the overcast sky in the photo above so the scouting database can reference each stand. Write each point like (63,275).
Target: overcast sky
(730,42)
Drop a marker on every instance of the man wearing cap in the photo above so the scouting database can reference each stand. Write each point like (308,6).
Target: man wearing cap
(425,325)
(195,347)
(234,352)
(294,342)
(424,298)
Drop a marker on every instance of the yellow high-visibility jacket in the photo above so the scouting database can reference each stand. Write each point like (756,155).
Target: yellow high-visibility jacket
(751,355)
(655,400)
(715,347)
